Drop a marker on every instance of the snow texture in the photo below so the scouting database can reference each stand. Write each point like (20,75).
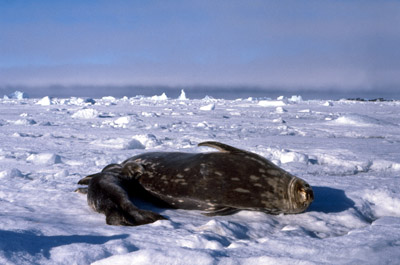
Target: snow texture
(347,150)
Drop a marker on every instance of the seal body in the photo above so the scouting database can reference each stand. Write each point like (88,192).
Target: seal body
(219,183)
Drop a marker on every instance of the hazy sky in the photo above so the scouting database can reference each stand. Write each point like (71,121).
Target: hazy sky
(343,43)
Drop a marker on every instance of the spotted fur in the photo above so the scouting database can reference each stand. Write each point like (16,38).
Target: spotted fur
(219,183)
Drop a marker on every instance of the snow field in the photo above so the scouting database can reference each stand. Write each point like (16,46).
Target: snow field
(348,151)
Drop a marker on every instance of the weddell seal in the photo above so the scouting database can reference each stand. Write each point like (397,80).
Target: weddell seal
(219,183)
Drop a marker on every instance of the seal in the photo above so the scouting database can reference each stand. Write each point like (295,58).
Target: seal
(219,183)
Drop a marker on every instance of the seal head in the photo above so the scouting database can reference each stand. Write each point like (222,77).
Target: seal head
(300,195)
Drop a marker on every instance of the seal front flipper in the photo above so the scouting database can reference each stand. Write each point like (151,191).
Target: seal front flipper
(222,211)
(132,169)
(221,147)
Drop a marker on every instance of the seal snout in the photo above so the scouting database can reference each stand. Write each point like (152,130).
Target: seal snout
(307,194)
(310,195)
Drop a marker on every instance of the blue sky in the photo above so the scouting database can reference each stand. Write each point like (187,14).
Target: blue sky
(288,44)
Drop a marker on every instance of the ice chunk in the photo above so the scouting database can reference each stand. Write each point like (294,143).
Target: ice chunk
(208,107)
(296,99)
(162,97)
(44,159)
(287,157)
(11,173)
(17,95)
(280,110)
(46,101)
(182,96)
(85,114)
(271,103)
(122,121)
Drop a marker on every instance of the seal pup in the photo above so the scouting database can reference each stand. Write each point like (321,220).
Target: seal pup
(219,183)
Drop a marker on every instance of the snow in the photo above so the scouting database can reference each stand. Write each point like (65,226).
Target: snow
(347,150)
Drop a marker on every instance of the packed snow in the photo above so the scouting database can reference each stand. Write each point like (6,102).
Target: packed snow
(347,150)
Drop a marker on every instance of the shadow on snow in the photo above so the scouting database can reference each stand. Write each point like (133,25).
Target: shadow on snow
(330,200)
(33,244)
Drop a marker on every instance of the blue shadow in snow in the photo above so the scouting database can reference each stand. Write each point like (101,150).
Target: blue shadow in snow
(33,244)
(330,200)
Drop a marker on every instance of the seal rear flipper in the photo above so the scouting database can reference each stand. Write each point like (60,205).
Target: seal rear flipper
(82,190)
(86,180)
(222,211)
(116,168)
(107,194)
(133,218)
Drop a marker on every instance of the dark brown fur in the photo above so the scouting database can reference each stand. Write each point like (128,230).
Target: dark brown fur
(217,182)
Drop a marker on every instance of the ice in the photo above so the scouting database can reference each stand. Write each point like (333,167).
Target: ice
(85,114)
(163,96)
(45,101)
(271,103)
(182,96)
(16,95)
(208,107)
(347,150)
(44,159)
(11,173)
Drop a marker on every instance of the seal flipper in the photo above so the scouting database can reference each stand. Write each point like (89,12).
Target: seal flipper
(109,168)
(221,147)
(132,169)
(107,195)
(112,168)
(222,211)
(86,180)
(82,190)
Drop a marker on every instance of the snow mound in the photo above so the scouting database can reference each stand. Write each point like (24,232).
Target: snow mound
(134,144)
(147,140)
(381,165)
(280,110)
(77,101)
(25,122)
(85,114)
(208,107)
(339,165)
(357,120)
(11,173)
(286,156)
(224,228)
(289,157)
(295,99)
(168,256)
(383,203)
(119,143)
(44,159)
(122,121)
